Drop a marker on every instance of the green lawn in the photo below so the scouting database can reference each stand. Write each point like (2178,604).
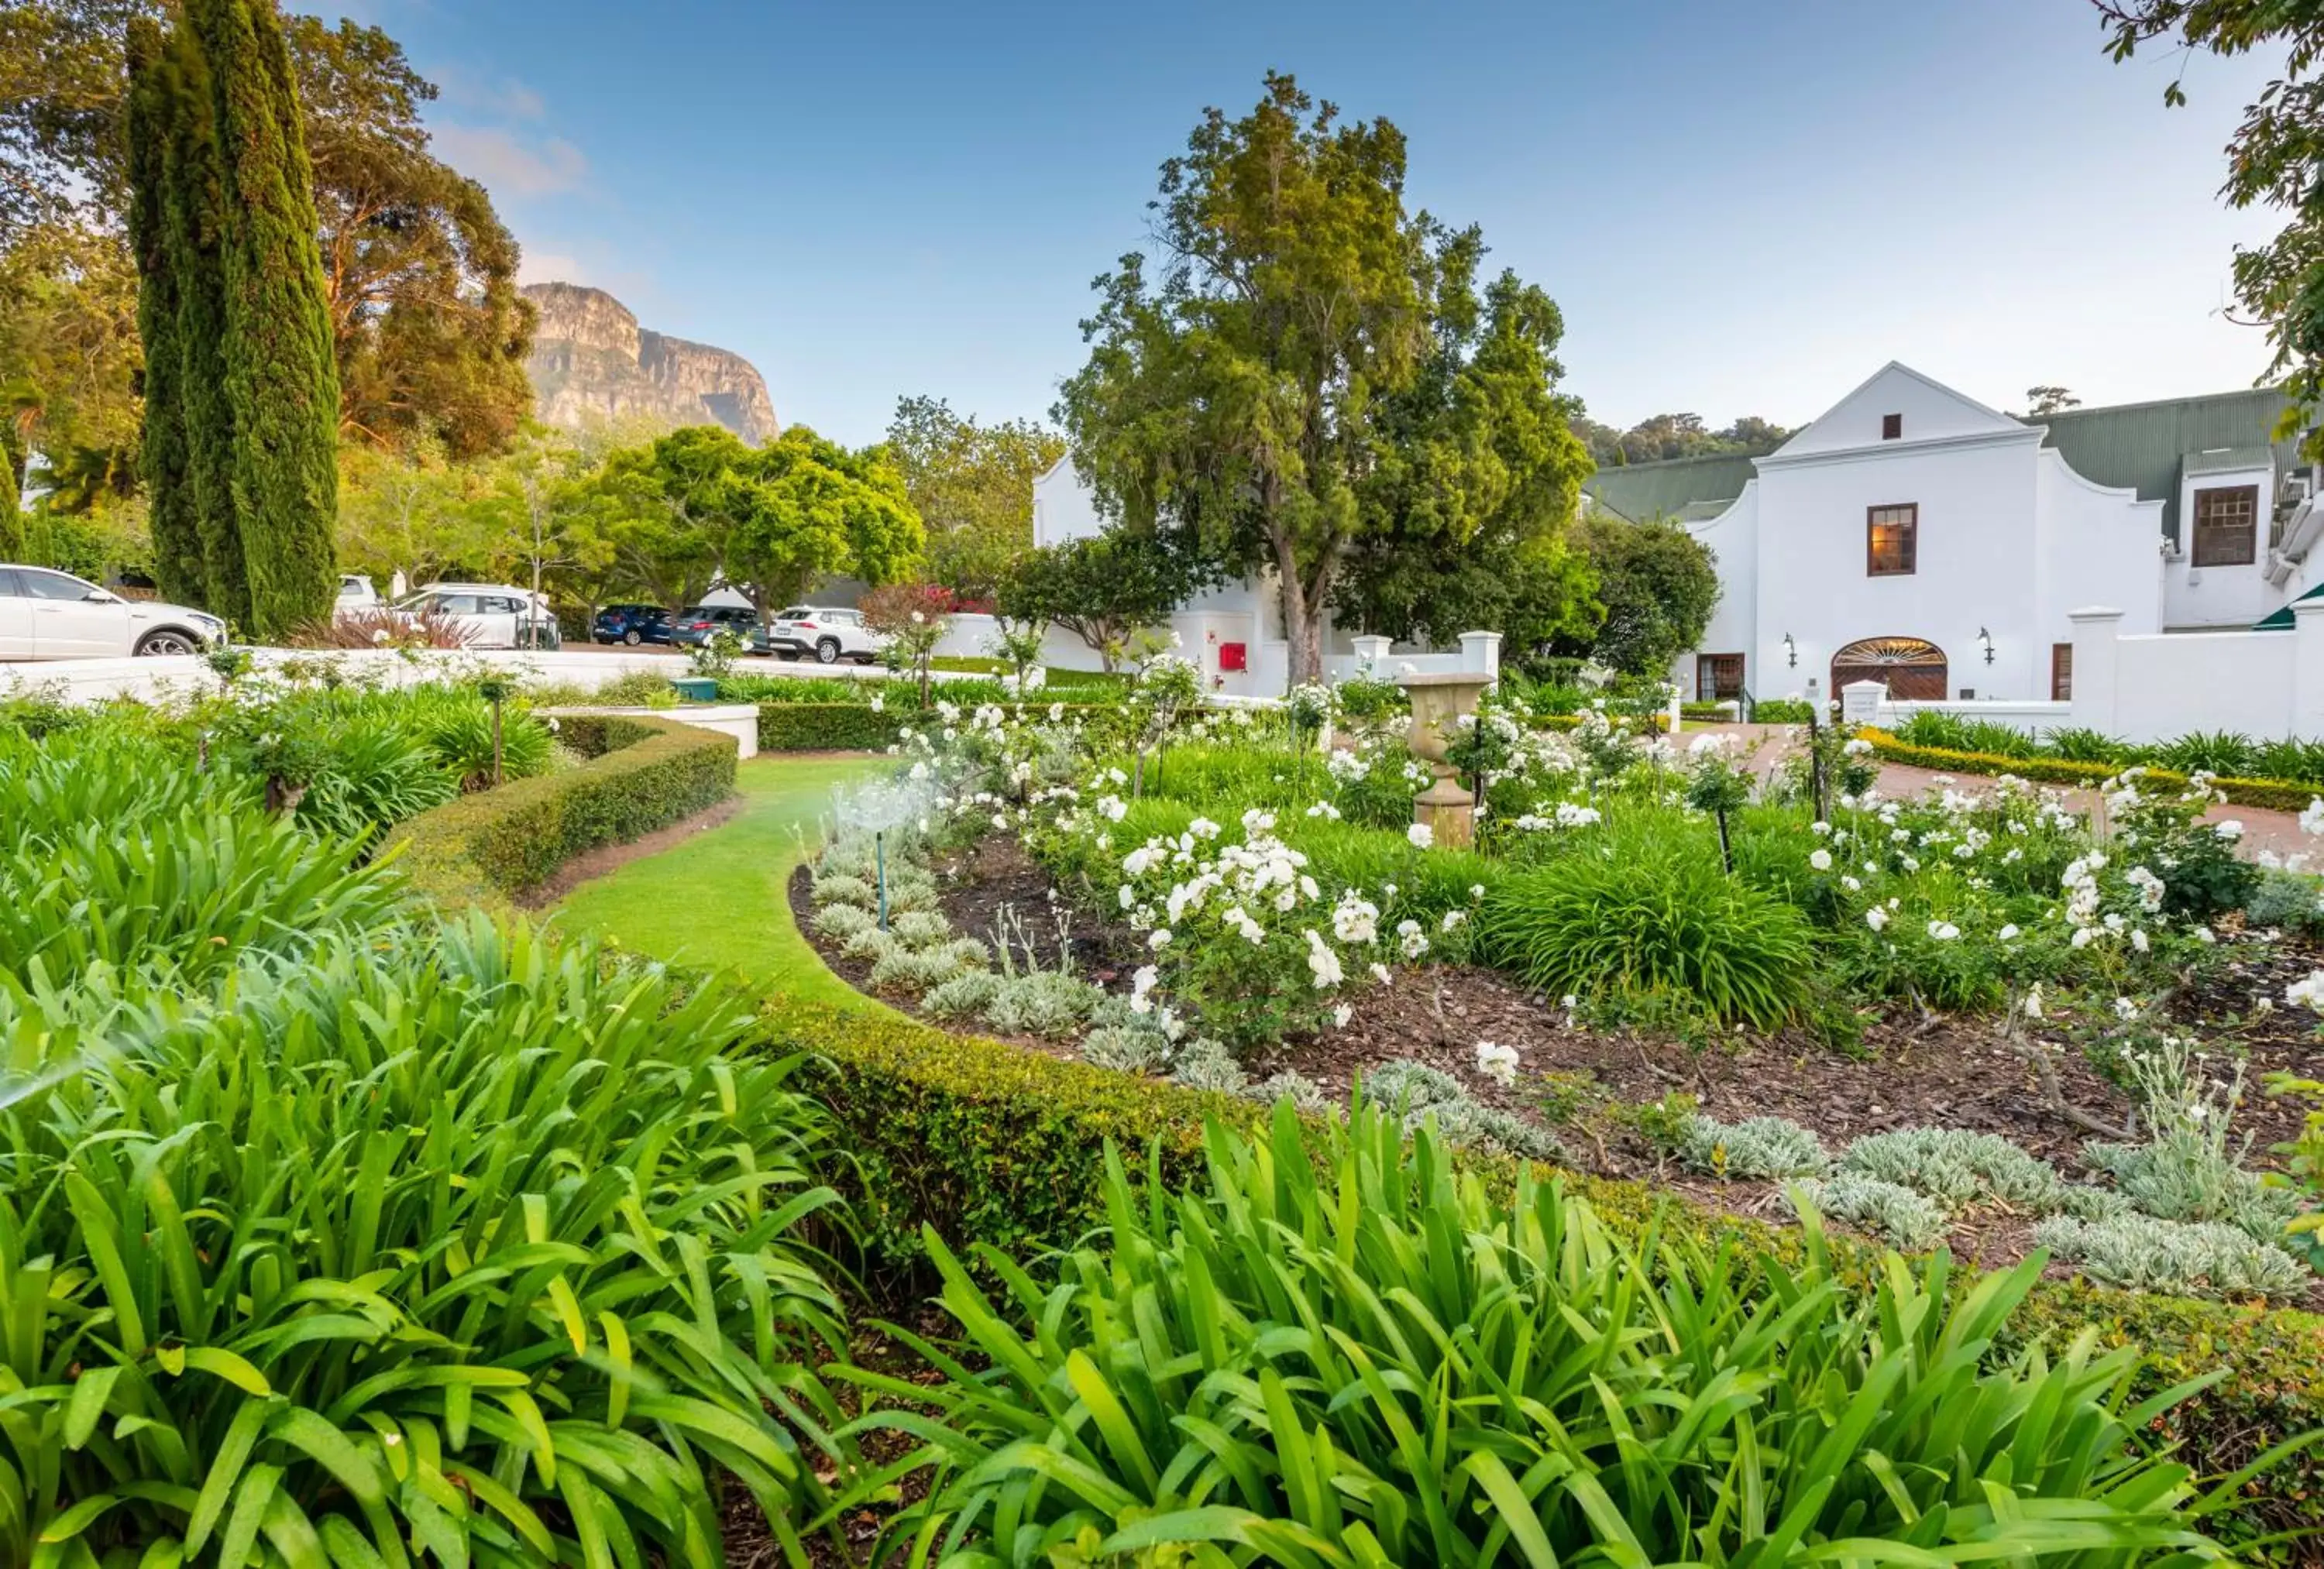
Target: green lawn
(718,900)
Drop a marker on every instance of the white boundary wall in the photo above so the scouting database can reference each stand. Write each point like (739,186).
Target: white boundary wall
(2148,688)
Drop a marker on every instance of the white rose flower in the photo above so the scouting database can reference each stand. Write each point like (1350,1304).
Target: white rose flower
(1496,1062)
(1421,835)
(1820,860)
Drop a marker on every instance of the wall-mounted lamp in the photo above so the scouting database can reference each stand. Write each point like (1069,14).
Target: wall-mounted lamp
(1985,638)
(1791,651)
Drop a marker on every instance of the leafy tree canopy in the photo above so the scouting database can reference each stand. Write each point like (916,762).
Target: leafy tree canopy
(1477,479)
(1236,387)
(1677,436)
(972,485)
(419,273)
(806,507)
(1657,584)
(2271,162)
(1104,588)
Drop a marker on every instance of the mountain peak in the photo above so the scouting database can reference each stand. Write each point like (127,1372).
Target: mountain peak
(592,361)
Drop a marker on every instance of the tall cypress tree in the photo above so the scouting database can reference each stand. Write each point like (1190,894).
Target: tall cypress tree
(195,218)
(11,508)
(280,379)
(178,564)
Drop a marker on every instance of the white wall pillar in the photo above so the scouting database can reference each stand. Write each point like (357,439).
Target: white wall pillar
(1481,652)
(1371,651)
(2097,699)
(2307,716)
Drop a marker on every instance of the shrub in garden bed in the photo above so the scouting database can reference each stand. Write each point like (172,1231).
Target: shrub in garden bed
(448,1239)
(1576,1394)
(2279,795)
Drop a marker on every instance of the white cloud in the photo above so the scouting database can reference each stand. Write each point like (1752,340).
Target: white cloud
(508,164)
(505,98)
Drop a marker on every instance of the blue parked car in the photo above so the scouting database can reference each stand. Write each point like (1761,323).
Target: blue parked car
(631,624)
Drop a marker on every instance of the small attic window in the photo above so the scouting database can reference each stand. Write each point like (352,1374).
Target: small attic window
(1892,427)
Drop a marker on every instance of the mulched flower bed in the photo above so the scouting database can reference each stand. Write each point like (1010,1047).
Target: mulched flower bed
(1939,1070)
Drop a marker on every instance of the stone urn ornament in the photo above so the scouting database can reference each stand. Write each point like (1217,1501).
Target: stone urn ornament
(1438,703)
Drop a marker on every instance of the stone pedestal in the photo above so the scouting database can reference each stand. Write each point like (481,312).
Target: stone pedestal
(1438,702)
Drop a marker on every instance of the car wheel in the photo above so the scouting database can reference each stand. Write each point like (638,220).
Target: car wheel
(168,641)
(632,638)
(826,651)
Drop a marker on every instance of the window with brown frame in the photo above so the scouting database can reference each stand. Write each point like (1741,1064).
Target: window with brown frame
(2062,673)
(2227,526)
(1891,543)
(1892,427)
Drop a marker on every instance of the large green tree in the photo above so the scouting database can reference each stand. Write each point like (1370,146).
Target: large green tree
(1657,585)
(806,507)
(1237,387)
(429,331)
(180,566)
(972,485)
(666,510)
(1663,437)
(2271,162)
(1106,587)
(428,328)
(282,381)
(1475,480)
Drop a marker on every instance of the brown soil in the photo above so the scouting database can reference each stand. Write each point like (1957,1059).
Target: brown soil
(613,858)
(1587,1084)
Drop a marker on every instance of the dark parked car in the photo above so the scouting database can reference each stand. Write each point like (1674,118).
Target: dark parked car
(694,625)
(631,624)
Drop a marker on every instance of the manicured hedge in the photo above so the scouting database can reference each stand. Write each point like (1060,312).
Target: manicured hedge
(2278,793)
(990,1143)
(856,727)
(642,773)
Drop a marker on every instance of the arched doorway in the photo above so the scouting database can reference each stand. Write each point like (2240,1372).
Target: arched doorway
(1909,667)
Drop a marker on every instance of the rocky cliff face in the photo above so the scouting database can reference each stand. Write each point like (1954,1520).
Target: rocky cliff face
(592,361)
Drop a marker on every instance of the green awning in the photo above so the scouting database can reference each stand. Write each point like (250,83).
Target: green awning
(2280,620)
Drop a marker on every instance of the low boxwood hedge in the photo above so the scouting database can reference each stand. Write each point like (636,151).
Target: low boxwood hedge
(642,773)
(988,1142)
(857,727)
(2278,793)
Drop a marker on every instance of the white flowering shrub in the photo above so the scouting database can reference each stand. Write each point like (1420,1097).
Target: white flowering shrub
(1240,930)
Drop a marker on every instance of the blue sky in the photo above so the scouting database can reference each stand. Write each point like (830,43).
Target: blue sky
(1743,209)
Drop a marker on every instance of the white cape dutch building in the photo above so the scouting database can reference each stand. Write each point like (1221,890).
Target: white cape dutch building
(1915,537)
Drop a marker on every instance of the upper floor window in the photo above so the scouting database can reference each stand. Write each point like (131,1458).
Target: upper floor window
(1892,427)
(1890,540)
(2227,526)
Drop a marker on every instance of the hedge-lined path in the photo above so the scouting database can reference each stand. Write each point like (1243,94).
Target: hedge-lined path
(717,899)
(2264,828)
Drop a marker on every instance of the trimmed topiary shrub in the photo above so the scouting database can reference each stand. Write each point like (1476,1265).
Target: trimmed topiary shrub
(642,774)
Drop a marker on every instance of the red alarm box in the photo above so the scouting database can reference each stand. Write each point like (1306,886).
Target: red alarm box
(1230,657)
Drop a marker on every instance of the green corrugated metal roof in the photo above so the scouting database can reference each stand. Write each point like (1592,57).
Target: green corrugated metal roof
(2227,460)
(1670,490)
(2141,446)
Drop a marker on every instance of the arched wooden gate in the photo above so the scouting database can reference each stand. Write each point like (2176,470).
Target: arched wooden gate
(1909,667)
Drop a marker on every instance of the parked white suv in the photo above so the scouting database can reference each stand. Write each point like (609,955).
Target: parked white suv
(831,635)
(356,593)
(53,615)
(495,615)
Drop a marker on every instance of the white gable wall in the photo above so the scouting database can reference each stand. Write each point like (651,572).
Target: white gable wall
(2227,598)
(1931,411)
(1975,558)
(2099,545)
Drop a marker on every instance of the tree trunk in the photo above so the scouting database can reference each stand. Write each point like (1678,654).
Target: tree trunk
(1300,632)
